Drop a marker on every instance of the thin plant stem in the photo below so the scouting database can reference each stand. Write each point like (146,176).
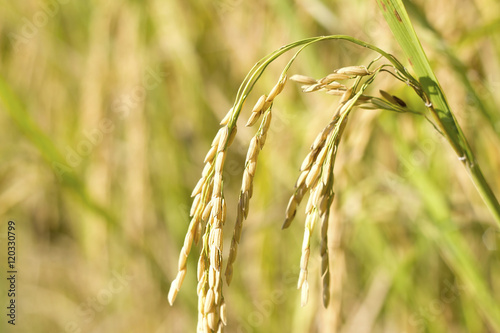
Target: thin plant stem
(397,18)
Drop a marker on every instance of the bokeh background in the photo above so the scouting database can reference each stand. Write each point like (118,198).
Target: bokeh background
(108,108)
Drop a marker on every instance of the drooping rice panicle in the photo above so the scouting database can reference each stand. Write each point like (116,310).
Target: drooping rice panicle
(318,207)
(263,106)
(317,177)
(308,171)
(210,307)
(209,208)
(256,144)
(208,212)
(324,212)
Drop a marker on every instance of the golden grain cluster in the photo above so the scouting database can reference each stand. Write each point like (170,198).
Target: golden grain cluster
(315,179)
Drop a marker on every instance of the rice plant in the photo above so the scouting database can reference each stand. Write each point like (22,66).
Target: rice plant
(316,176)
(108,109)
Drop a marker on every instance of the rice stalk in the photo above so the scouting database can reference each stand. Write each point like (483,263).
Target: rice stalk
(429,89)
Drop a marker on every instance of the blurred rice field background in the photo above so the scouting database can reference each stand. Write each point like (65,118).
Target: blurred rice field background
(108,108)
